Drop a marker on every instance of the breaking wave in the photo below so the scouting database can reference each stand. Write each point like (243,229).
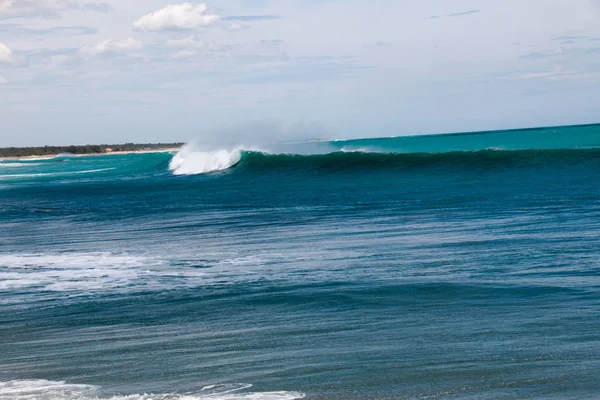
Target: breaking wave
(190,161)
(262,163)
(478,148)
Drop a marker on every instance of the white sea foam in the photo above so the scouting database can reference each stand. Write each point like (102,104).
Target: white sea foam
(35,158)
(17,165)
(496,148)
(89,273)
(84,274)
(14,176)
(189,160)
(357,150)
(53,390)
(50,174)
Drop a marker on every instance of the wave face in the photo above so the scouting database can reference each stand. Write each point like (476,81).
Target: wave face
(554,138)
(461,266)
(253,162)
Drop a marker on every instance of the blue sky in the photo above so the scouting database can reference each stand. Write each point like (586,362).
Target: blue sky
(254,70)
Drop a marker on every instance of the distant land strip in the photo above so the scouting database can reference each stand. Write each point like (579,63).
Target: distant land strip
(11,152)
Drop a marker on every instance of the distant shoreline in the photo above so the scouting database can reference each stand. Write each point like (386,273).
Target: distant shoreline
(47,152)
(108,153)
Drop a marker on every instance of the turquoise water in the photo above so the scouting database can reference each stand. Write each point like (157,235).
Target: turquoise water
(440,267)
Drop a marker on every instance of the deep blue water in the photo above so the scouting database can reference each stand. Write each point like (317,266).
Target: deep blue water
(441,267)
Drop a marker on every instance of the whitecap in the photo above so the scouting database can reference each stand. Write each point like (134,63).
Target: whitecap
(190,161)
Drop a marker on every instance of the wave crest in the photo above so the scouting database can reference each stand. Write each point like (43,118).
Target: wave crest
(191,161)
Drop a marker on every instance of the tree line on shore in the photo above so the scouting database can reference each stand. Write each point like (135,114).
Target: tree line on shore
(85,149)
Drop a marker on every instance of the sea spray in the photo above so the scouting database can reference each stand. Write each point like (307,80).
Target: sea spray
(191,161)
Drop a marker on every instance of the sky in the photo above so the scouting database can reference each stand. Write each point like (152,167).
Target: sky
(114,71)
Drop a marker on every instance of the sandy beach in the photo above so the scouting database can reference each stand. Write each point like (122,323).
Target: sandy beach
(51,156)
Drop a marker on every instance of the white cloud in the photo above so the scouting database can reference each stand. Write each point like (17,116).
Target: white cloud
(59,59)
(112,46)
(189,42)
(43,8)
(6,54)
(558,74)
(176,16)
(98,7)
(188,46)
(185,54)
(3,80)
(234,26)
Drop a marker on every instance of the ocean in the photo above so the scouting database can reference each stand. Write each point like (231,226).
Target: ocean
(463,266)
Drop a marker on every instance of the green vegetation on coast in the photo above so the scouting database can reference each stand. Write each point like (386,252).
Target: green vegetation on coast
(86,149)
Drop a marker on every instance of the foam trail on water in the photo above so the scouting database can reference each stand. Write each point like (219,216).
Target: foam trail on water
(17,165)
(191,161)
(30,276)
(52,390)
(358,150)
(91,171)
